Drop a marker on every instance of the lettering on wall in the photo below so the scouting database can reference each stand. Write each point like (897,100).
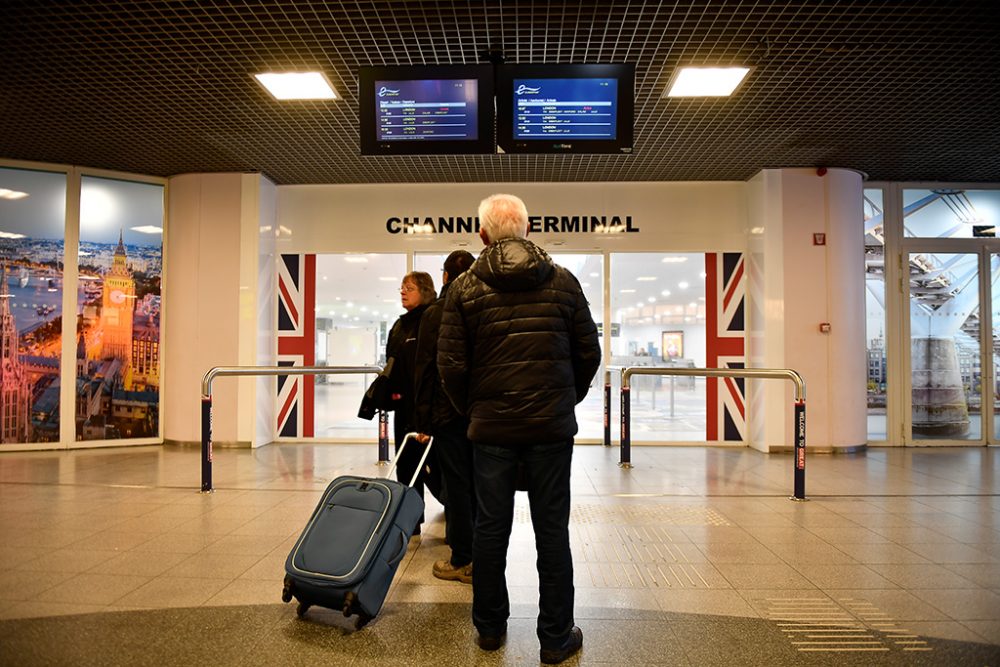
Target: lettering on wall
(538,224)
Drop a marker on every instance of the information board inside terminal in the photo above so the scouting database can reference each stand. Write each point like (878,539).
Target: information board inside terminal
(565,109)
(427,110)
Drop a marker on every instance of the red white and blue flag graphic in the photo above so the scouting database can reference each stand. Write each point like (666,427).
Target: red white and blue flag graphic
(296,343)
(725,346)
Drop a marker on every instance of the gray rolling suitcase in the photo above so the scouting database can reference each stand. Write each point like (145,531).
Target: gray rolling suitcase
(348,553)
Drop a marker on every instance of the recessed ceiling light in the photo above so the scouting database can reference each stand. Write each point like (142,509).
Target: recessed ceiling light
(297,85)
(674,259)
(12,194)
(645,279)
(11,235)
(705,81)
(627,291)
(147,229)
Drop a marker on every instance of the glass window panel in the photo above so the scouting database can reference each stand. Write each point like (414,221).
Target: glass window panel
(589,270)
(118,309)
(945,348)
(951,213)
(431,263)
(32,244)
(357,301)
(995,279)
(872,209)
(658,319)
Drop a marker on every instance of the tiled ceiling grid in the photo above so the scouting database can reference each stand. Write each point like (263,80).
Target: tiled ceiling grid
(901,91)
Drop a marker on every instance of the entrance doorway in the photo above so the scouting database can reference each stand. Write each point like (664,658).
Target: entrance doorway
(954,343)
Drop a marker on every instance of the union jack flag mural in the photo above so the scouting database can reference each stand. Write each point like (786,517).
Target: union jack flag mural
(725,296)
(296,343)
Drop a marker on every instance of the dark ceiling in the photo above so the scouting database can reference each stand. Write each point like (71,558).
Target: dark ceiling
(903,91)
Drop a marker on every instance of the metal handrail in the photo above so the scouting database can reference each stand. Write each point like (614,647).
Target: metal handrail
(753,373)
(221,371)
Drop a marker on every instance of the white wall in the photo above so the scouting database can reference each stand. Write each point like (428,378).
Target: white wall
(671,217)
(267,314)
(212,305)
(219,245)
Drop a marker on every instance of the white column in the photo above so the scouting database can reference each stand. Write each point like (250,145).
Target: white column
(795,286)
(211,302)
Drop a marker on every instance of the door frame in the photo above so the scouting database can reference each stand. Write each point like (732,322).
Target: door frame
(983,249)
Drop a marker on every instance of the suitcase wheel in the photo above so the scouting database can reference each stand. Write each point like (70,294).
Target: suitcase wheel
(286,590)
(301,610)
(362,621)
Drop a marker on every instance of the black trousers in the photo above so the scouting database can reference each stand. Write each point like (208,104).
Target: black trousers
(411,458)
(454,456)
(547,468)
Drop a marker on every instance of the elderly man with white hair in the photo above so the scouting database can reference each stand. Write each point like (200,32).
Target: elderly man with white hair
(517,351)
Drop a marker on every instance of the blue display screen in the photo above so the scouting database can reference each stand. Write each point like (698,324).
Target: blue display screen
(427,110)
(565,108)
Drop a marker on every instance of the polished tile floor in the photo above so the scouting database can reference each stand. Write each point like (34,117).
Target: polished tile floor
(693,557)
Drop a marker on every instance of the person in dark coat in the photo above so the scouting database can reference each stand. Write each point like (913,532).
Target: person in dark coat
(416,294)
(436,416)
(517,351)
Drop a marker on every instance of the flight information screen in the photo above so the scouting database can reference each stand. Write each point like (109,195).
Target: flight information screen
(565,108)
(428,110)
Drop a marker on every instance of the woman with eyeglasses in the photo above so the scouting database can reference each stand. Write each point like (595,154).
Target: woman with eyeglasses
(416,293)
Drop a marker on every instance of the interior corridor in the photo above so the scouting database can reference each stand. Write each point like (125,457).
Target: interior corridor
(693,557)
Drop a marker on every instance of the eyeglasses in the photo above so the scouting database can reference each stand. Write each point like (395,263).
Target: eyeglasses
(407,288)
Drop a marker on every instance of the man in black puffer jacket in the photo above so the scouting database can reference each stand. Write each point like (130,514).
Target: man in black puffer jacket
(517,351)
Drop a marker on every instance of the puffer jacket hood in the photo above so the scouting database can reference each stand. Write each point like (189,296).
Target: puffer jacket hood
(513,265)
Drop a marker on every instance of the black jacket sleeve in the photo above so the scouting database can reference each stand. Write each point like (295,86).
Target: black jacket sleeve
(453,356)
(426,374)
(586,347)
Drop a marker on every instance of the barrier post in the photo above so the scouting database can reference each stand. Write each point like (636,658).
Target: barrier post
(383,437)
(800,450)
(799,426)
(206,444)
(626,446)
(253,371)
(607,408)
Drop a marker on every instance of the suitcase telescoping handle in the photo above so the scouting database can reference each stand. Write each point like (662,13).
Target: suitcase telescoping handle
(399,453)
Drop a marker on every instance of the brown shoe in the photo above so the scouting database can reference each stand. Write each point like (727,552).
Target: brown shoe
(443,569)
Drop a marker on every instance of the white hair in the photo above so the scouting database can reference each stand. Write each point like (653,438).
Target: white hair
(503,216)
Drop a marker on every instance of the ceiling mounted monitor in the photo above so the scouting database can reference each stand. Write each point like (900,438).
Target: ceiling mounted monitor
(565,108)
(426,109)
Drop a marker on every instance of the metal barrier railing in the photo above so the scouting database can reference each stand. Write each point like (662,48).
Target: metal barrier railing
(220,371)
(760,373)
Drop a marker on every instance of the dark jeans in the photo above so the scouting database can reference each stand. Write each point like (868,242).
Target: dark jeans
(546,467)
(454,456)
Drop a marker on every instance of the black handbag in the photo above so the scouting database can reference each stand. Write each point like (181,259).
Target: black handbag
(378,396)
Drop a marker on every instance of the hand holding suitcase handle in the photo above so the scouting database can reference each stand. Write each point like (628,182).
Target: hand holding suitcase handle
(402,445)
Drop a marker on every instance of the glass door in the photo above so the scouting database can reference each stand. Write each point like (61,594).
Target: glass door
(994,338)
(953,350)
